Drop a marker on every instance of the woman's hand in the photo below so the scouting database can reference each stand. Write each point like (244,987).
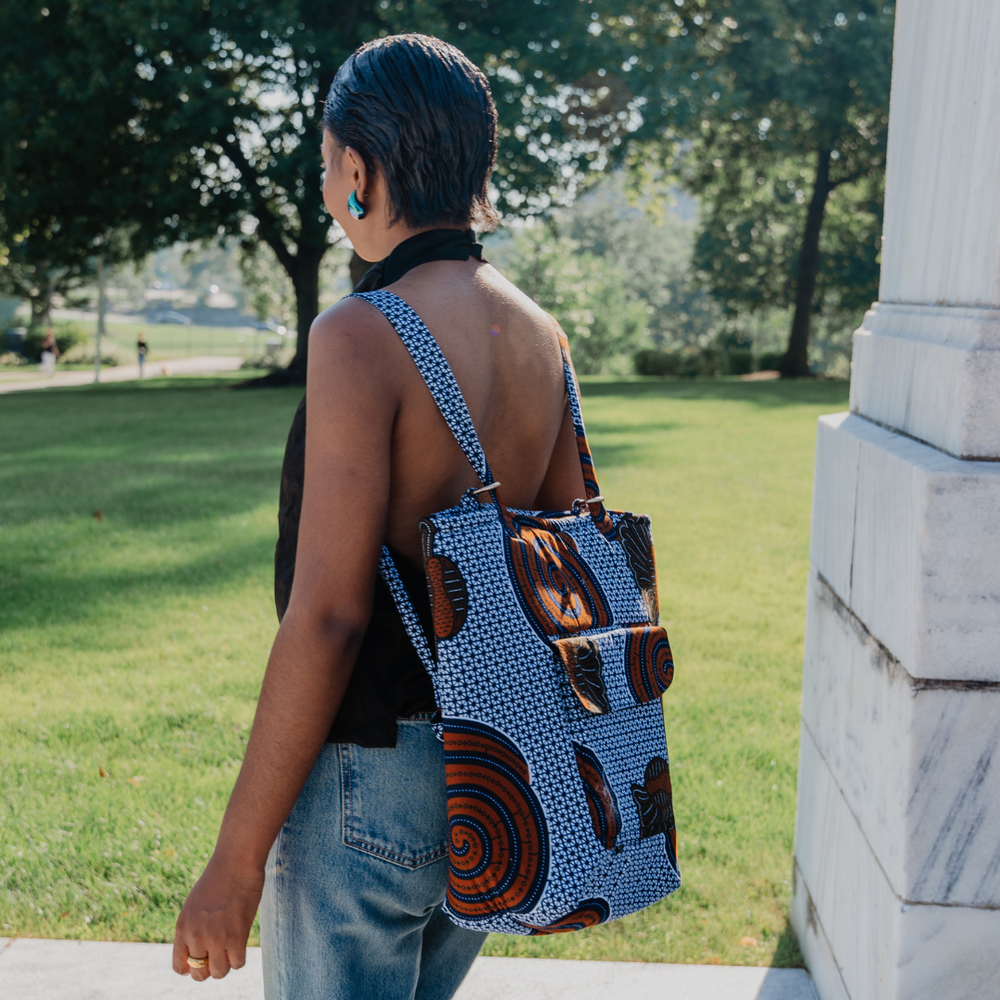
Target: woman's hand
(215,921)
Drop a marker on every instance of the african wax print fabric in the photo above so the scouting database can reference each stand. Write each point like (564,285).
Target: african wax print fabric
(548,665)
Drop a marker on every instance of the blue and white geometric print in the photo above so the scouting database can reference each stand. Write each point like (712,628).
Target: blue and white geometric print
(548,666)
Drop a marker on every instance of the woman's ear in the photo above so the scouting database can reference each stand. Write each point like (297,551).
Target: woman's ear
(356,172)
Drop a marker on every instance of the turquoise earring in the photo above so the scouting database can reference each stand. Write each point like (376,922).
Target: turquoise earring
(355,207)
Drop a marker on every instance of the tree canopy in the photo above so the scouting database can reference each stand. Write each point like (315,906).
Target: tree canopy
(131,126)
(787,153)
(74,183)
(217,103)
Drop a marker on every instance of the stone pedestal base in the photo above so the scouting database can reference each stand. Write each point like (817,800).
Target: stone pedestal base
(859,939)
(897,845)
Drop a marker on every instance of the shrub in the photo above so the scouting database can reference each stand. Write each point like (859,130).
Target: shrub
(270,362)
(708,362)
(83,354)
(11,360)
(661,363)
(739,361)
(770,360)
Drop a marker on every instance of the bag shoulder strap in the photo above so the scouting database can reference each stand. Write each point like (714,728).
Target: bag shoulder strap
(401,598)
(436,373)
(444,389)
(582,445)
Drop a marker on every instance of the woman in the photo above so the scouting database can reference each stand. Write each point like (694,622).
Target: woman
(338,816)
(50,351)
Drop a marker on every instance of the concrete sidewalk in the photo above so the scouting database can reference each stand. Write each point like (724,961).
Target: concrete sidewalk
(33,969)
(15,381)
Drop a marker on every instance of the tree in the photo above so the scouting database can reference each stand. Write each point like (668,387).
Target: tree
(74,182)
(228,95)
(23,276)
(584,291)
(615,274)
(652,246)
(778,120)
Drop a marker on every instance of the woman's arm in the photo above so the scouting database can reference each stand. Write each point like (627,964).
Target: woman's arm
(352,395)
(563,481)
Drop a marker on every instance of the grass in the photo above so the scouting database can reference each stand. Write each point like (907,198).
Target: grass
(171,340)
(132,645)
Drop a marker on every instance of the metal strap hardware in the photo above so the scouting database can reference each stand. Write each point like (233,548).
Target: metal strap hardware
(485,489)
(579,505)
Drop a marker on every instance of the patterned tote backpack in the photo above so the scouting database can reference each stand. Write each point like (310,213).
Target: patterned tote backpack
(548,670)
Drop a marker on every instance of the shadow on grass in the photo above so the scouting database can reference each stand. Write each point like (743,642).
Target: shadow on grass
(143,458)
(787,954)
(32,596)
(159,467)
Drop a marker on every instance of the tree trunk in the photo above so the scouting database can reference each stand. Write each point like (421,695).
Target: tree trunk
(38,309)
(50,286)
(305,281)
(796,359)
(39,295)
(303,269)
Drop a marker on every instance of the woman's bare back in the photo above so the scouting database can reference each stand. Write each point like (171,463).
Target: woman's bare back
(504,351)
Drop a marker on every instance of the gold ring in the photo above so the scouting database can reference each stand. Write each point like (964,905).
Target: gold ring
(197,963)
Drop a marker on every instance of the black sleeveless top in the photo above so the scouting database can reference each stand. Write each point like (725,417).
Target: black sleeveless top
(388,681)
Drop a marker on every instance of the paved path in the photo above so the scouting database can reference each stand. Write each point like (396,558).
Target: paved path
(17,382)
(103,970)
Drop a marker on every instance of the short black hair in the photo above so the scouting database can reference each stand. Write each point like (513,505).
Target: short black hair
(421,114)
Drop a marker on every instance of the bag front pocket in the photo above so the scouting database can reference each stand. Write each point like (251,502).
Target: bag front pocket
(394,798)
(615,670)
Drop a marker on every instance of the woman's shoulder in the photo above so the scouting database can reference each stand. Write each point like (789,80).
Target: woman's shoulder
(516,298)
(351,324)
(352,343)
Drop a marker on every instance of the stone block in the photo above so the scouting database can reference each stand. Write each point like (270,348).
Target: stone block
(941,238)
(918,766)
(908,538)
(932,372)
(859,939)
(828,980)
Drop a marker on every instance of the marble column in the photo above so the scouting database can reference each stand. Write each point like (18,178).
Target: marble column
(897,841)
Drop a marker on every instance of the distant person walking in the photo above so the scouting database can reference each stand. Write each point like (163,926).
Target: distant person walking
(143,350)
(50,351)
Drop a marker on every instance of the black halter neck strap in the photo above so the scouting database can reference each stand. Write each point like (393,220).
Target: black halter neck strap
(435,244)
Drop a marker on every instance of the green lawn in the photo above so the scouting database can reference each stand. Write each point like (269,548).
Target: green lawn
(132,644)
(173,340)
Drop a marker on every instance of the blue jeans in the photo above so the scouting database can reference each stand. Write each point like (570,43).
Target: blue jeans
(356,877)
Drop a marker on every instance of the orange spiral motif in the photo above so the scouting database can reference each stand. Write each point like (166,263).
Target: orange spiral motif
(449,596)
(498,842)
(601,800)
(587,914)
(650,662)
(557,590)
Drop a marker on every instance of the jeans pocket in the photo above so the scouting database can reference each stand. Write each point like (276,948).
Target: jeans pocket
(395,806)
